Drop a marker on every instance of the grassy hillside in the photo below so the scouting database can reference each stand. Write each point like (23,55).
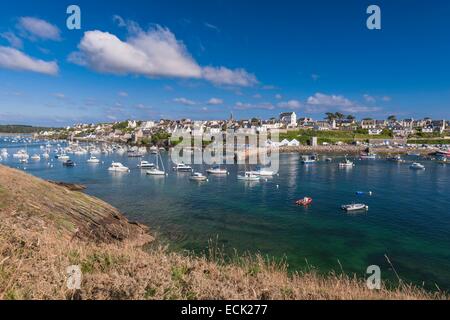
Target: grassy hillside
(22,129)
(44,228)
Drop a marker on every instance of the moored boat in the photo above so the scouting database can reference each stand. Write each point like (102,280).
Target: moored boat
(304,202)
(181,167)
(197,176)
(417,166)
(354,207)
(118,167)
(93,159)
(145,165)
(248,176)
(216,170)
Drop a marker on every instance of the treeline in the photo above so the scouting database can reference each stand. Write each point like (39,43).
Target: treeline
(22,129)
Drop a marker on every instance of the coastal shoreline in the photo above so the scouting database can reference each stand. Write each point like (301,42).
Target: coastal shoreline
(45,222)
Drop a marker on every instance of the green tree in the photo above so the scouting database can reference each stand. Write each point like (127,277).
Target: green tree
(392,118)
(330,116)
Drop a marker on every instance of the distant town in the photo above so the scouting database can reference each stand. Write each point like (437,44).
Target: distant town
(335,128)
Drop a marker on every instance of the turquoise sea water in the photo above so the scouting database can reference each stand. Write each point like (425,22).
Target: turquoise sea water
(408,217)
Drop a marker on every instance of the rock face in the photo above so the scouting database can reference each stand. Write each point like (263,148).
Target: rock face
(36,203)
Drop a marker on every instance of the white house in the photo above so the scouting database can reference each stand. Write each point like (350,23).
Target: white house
(289,119)
(284,142)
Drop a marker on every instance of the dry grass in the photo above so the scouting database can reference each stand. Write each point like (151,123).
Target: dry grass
(35,252)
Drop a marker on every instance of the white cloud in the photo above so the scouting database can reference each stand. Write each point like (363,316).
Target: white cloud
(369,98)
(38,28)
(122,94)
(59,95)
(14,59)
(184,101)
(215,101)
(152,53)
(320,99)
(225,76)
(13,40)
(291,104)
(257,96)
(337,101)
(386,98)
(278,96)
(249,106)
(211,26)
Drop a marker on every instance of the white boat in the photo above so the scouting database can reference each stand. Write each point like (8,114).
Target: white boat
(368,156)
(262,172)
(355,207)
(248,176)
(397,159)
(21,154)
(346,164)
(145,165)
(309,159)
(4,153)
(35,157)
(155,171)
(417,166)
(118,167)
(197,176)
(216,170)
(93,159)
(23,160)
(182,167)
(45,155)
(62,157)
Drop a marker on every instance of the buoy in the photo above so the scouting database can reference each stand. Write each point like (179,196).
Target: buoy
(278,186)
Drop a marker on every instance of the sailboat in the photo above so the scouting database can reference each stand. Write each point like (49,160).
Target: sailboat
(156,171)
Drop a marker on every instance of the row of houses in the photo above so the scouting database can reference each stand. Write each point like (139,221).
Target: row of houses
(136,131)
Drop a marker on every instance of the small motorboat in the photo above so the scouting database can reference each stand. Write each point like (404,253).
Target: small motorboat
(262,172)
(197,176)
(216,170)
(62,157)
(93,160)
(417,166)
(118,167)
(306,201)
(248,176)
(309,159)
(146,165)
(362,193)
(354,207)
(181,167)
(367,156)
(397,159)
(69,163)
(35,157)
(346,164)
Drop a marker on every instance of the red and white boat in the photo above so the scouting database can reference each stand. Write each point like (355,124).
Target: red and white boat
(304,202)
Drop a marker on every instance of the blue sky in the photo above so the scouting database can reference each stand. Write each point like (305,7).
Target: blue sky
(205,59)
